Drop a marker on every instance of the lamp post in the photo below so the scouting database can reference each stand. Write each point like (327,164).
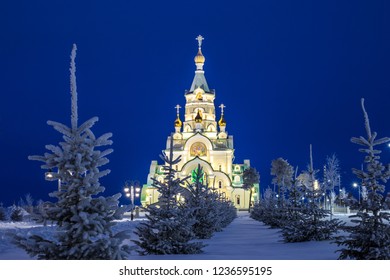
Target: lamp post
(356,185)
(132,190)
(50,176)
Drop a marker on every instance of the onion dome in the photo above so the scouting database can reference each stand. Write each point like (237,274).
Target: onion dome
(222,121)
(178,122)
(198,118)
(199,58)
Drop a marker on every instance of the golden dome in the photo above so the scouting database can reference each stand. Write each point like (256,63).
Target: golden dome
(222,121)
(178,122)
(199,58)
(198,118)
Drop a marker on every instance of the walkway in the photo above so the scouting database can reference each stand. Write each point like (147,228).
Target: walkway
(248,239)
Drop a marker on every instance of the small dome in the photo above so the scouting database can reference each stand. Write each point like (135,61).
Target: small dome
(199,58)
(198,118)
(178,122)
(222,121)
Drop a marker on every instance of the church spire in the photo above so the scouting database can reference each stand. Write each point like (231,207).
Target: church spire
(222,121)
(199,79)
(199,58)
(178,122)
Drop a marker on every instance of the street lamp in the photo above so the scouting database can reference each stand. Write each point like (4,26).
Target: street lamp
(132,192)
(50,176)
(356,185)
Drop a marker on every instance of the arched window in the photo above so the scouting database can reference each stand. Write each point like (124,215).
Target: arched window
(211,128)
(187,128)
(237,179)
(238,199)
(220,167)
(220,184)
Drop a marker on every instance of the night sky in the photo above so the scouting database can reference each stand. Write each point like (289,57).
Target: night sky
(291,73)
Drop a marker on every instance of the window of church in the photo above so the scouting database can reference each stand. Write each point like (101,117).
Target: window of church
(211,128)
(198,149)
(238,200)
(220,167)
(236,179)
(220,184)
(237,168)
(187,128)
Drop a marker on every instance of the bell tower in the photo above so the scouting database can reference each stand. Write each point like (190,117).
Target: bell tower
(201,140)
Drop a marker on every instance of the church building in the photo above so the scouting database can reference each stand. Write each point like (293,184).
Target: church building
(201,140)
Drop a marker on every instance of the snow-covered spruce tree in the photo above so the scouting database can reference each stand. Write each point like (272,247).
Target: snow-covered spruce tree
(84,219)
(225,210)
(16,214)
(266,210)
(309,221)
(369,239)
(250,177)
(203,202)
(3,214)
(168,229)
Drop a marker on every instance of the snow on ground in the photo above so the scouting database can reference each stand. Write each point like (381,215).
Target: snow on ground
(243,239)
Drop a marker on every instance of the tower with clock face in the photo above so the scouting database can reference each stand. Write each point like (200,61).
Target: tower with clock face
(201,140)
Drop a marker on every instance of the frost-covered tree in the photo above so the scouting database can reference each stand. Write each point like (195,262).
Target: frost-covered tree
(283,173)
(295,191)
(168,228)
(369,239)
(332,172)
(308,221)
(3,213)
(331,177)
(250,177)
(27,203)
(204,202)
(84,219)
(16,214)
(267,210)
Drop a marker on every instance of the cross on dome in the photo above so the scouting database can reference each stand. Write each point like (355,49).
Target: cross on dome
(177,107)
(200,39)
(222,107)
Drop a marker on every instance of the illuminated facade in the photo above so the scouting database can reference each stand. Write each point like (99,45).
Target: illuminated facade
(201,140)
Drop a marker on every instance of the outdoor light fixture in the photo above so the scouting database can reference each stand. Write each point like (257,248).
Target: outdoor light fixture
(131,192)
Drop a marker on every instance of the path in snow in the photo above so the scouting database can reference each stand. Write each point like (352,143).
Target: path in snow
(246,238)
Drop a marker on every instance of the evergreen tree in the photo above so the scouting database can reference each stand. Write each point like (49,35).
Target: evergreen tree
(3,214)
(370,238)
(308,222)
(250,177)
(204,203)
(168,229)
(84,219)
(16,214)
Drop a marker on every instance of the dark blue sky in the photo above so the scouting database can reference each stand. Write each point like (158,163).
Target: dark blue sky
(291,73)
